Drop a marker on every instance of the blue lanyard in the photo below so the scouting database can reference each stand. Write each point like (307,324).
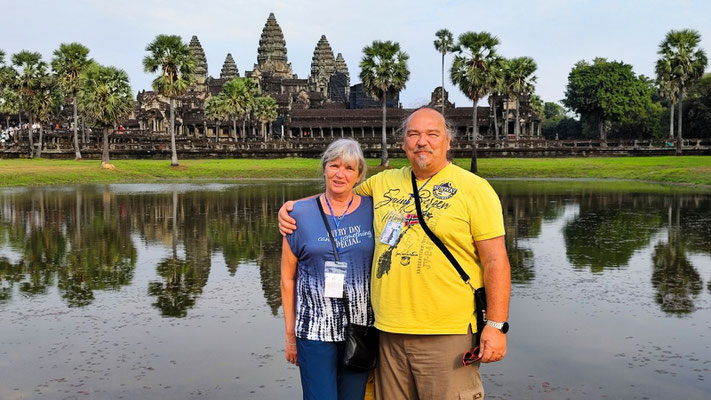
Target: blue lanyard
(337,221)
(412,195)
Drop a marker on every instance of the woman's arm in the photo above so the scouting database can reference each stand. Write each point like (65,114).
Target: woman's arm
(288,282)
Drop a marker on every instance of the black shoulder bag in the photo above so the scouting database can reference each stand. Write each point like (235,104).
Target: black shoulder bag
(361,348)
(479,294)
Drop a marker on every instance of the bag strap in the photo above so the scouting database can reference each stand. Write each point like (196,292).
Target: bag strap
(432,236)
(328,228)
(335,252)
(479,294)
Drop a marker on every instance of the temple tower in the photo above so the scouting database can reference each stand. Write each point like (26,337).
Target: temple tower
(343,68)
(323,65)
(200,65)
(271,54)
(229,68)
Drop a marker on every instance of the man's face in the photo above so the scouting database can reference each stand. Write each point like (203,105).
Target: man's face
(426,142)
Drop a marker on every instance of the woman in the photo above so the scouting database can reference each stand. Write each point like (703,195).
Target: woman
(315,313)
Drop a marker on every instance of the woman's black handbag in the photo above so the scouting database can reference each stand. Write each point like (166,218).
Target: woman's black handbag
(361,346)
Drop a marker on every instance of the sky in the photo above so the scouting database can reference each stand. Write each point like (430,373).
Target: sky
(555,33)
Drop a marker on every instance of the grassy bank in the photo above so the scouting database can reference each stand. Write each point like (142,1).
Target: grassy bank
(683,170)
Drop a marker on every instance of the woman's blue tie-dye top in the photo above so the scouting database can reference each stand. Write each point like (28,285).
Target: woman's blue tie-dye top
(318,317)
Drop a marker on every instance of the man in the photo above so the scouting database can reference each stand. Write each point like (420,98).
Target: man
(424,310)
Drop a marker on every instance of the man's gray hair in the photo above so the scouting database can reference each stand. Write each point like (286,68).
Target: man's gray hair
(449,127)
(348,151)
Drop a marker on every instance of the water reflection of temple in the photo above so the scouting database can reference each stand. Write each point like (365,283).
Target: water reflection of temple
(324,104)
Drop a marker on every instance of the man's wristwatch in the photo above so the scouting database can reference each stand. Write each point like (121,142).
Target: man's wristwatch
(502,326)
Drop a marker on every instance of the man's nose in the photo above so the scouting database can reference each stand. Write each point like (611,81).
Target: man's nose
(422,140)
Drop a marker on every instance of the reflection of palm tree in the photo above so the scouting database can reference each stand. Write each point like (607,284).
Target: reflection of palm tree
(104,258)
(674,278)
(182,284)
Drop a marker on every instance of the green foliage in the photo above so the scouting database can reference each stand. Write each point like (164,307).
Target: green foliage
(105,95)
(215,109)
(175,61)
(47,99)
(605,92)
(444,41)
(238,95)
(383,68)
(70,60)
(697,110)
(473,66)
(265,109)
(553,110)
(29,69)
(682,61)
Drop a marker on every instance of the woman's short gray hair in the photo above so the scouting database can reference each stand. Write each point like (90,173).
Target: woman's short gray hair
(348,151)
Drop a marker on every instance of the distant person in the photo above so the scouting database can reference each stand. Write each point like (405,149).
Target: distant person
(320,295)
(423,308)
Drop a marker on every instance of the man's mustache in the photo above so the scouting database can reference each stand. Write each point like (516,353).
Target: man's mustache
(424,148)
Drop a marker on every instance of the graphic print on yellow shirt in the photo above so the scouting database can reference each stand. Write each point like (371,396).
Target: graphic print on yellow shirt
(414,288)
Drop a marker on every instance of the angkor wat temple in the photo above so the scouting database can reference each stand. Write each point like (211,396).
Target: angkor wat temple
(322,105)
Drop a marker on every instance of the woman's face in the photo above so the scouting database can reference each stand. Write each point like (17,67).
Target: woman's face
(340,177)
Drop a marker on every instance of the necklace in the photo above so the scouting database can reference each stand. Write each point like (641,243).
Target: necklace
(333,215)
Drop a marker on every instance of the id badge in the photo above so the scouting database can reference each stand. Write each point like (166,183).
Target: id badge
(391,233)
(335,278)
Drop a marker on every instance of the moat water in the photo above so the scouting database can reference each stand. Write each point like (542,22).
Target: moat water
(172,292)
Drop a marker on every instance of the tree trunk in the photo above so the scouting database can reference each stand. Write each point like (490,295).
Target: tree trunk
(384,161)
(264,130)
(39,144)
(506,120)
(244,128)
(475,133)
(443,84)
(517,124)
(678,138)
(217,132)
(671,120)
(77,154)
(496,122)
(234,125)
(601,128)
(174,153)
(105,147)
(32,147)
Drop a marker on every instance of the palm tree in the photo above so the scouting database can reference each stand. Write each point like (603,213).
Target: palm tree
(8,104)
(105,98)
(47,101)
(683,62)
(29,68)
(498,83)
(238,96)
(472,72)
(667,91)
(69,61)
(383,70)
(537,106)
(443,44)
(265,110)
(215,110)
(176,63)
(521,72)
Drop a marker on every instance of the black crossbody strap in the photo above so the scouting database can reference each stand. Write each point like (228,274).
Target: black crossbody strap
(328,228)
(431,234)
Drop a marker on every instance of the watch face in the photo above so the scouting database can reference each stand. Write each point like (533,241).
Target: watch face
(505,328)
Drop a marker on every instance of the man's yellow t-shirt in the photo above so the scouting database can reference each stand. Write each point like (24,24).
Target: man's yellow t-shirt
(414,288)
